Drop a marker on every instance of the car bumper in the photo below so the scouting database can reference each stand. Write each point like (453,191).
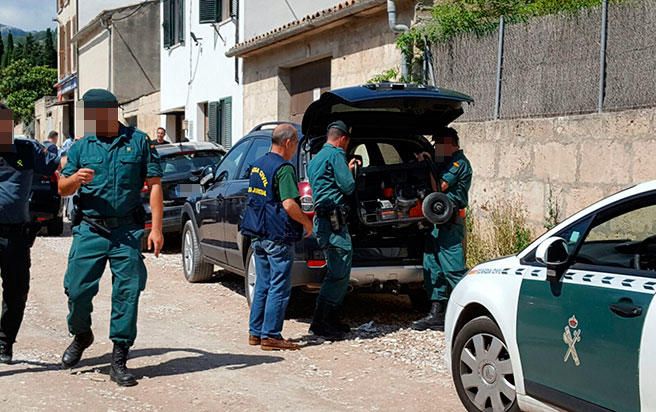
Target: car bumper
(362,276)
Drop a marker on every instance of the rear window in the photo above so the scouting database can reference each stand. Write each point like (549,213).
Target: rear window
(384,154)
(188,162)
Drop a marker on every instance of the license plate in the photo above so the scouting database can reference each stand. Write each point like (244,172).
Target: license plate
(186,189)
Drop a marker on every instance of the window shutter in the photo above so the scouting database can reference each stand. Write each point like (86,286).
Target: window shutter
(226,122)
(234,8)
(166,25)
(180,21)
(213,121)
(209,11)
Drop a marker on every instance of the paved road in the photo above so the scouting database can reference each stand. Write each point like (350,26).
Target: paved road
(191,353)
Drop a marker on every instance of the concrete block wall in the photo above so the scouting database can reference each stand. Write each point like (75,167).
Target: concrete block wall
(579,159)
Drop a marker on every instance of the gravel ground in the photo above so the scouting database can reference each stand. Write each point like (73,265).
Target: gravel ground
(191,352)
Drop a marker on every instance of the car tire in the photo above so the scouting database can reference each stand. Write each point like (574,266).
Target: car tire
(249,276)
(55,226)
(194,267)
(481,368)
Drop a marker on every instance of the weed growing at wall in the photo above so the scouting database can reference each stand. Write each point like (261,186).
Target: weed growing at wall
(497,229)
(552,218)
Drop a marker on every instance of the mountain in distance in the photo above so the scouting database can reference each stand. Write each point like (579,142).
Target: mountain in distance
(5,30)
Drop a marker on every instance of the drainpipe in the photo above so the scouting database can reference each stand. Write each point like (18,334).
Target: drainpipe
(398,29)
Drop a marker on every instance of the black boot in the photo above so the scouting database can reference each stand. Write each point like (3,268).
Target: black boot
(434,320)
(119,371)
(335,320)
(321,325)
(73,353)
(6,353)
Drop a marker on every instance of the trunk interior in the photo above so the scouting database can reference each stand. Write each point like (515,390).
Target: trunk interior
(387,224)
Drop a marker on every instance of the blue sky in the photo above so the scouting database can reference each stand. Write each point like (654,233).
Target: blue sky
(28,14)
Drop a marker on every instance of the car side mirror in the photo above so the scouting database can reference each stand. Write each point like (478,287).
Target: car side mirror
(206,176)
(553,253)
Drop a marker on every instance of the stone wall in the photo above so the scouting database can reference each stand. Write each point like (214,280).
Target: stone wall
(579,159)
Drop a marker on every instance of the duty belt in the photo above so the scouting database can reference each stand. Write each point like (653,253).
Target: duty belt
(111,222)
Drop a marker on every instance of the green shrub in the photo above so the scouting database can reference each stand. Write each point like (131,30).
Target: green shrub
(499,228)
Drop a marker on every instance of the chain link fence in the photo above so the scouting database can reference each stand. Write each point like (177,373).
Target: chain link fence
(553,65)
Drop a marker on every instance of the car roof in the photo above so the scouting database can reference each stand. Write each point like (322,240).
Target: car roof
(172,148)
(631,191)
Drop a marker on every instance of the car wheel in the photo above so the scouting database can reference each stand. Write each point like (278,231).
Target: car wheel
(195,269)
(55,226)
(481,368)
(249,276)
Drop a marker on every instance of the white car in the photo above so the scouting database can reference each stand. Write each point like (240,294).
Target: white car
(566,323)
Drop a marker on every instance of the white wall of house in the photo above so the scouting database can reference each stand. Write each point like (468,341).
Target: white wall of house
(94,63)
(89,9)
(262,16)
(196,73)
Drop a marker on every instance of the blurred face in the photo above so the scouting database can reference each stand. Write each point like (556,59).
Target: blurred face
(101,122)
(161,134)
(6,130)
(54,138)
(445,149)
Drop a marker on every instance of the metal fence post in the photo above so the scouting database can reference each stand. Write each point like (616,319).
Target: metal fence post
(602,56)
(497,97)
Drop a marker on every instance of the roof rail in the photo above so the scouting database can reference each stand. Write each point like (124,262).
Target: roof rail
(263,125)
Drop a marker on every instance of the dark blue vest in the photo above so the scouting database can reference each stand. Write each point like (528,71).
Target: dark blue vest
(264,217)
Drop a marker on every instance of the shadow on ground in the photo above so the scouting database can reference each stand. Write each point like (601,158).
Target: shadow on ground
(197,361)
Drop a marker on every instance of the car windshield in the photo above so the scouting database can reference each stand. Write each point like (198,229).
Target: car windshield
(190,161)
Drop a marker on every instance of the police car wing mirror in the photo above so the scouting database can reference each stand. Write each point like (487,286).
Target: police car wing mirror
(554,253)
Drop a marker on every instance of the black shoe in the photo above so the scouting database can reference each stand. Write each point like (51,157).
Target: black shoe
(434,320)
(334,319)
(6,353)
(321,323)
(73,353)
(119,371)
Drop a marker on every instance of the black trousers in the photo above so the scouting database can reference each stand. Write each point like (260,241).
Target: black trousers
(15,270)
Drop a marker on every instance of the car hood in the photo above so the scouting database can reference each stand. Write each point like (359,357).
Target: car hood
(409,108)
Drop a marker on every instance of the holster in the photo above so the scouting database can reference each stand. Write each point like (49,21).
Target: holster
(338,218)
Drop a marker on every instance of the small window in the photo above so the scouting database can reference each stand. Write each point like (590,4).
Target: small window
(215,11)
(173,24)
(390,155)
(220,122)
(362,152)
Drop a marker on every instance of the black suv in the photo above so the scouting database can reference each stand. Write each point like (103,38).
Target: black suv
(181,167)
(389,122)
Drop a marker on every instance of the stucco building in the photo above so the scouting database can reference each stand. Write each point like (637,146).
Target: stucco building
(293,51)
(201,97)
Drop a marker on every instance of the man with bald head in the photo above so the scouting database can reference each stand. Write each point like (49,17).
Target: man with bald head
(274,221)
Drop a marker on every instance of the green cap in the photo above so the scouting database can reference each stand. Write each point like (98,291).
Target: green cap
(341,126)
(99,99)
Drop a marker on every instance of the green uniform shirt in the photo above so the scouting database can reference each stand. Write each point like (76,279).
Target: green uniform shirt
(286,183)
(330,177)
(121,166)
(458,175)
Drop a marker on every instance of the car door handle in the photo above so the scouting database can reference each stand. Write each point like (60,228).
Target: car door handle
(626,309)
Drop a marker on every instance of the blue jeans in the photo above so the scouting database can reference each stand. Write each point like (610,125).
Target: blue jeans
(273,286)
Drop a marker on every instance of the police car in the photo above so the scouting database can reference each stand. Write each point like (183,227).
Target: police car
(567,323)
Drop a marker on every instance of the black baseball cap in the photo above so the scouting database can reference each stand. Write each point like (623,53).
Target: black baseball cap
(99,99)
(341,126)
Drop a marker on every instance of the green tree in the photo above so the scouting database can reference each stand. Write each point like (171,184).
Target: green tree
(2,50)
(49,51)
(22,84)
(7,56)
(31,50)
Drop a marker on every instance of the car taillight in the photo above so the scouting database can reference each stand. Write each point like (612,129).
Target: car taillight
(316,263)
(307,205)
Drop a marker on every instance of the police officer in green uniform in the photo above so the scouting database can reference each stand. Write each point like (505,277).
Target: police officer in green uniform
(332,181)
(109,167)
(444,258)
